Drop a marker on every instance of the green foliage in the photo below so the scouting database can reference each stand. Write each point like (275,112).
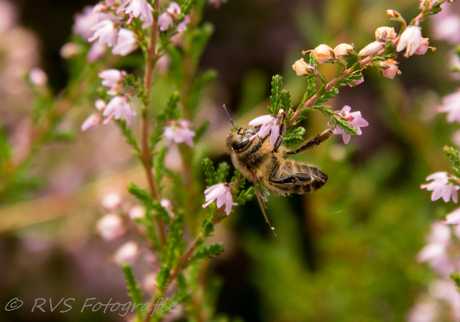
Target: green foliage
(207,227)
(245,196)
(130,137)
(134,291)
(276,97)
(295,137)
(163,278)
(455,277)
(212,176)
(171,111)
(159,165)
(454,160)
(208,252)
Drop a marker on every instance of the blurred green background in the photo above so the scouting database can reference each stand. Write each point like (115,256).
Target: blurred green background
(344,253)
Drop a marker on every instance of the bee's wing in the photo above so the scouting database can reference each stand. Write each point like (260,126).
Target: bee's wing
(261,204)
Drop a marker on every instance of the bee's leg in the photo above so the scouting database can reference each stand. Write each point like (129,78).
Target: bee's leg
(323,136)
(280,139)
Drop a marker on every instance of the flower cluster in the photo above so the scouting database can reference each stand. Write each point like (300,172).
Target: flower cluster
(441,187)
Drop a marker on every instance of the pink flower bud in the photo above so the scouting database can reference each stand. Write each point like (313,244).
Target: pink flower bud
(91,122)
(302,68)
(423,48)
(112,78)
(322,53)
(372,48)
(38,77)
(110,227)
(390,68)
(111,201)
(136,212)
(393,13)
(69,50)
(126,254)
(343,50)
(100,104)
(385,34)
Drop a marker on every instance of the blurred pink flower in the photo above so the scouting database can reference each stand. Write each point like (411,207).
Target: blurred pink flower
(126,42)
(84,22)
(96,51)
(167,19)
(179,132)
(436,251)
(106,32)
(38,77)
(441,187)
(356,82)
(426,311)
(118,107)
(110,227)
(302,68)
(453,218)
(445,26)
(111,200)
(136,8)
(355,119)
(451,106)
(69,50)
(411,38)
(91,122)
(126,254)
(112,78)
(223,193)
(268,123)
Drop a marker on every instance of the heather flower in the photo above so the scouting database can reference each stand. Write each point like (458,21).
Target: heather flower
(451,106)
(446,27)
(117,108)
(126,42)
(354,119)
(112,78)
(385,34)
(372,48)
(302,68)
(453,218)
(436,251)
(342,50)
(111,201)
(84,22)
(178,131)
(223,194)
(356,82)
(106,32)
(423,48)
(136,212)
(136,8)
(96,51)
(410,40)
(126,254)
(267,123)
(441,187)
(110,227)
(168,18)
(69,50)
(91,122)
(322,53)
(389,68)
(100,104)
(38,77)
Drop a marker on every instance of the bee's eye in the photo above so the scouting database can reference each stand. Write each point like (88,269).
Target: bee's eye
(241,144)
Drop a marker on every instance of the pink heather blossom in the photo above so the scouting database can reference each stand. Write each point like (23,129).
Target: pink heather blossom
(96,51)
(126,42)
(112,78)
(423,48)
(453,218)
(106,32)
(302,68)
(136,212)
(126,254)
(451,106)
(136,8)
(411,38)
(179,132)
(372,48)
(69,50)
(84,22)
(168,18)
(223,193)
(389,68)
(91,122)
(355,119)
(111,201)
(322,53)
(356,82)
(38,77)
(110,227)
(267,123)
(446,24)
(343,50)
(436,252)
(118,107)
(446,290)
(385,34)
(441,187)
(100,104)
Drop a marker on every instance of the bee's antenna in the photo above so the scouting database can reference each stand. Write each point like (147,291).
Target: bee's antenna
(229,117)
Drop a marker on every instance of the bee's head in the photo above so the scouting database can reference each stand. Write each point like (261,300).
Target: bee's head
(239,140)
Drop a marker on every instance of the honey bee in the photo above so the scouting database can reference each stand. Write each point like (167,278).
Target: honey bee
(258,161)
